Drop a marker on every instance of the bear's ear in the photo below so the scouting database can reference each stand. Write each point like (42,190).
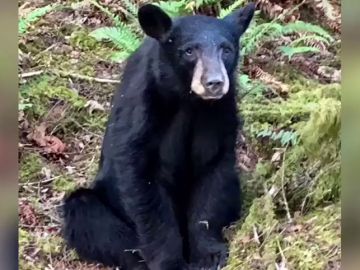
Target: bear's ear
(241,18)
(154,22)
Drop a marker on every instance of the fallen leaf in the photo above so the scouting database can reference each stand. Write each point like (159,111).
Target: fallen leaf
(93,105)
(276,157)
(51,144)
(70,169)
(46,172)
(38,135)
(27,214)
(54,145)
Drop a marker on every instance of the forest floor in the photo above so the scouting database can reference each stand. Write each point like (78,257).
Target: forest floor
(66,84)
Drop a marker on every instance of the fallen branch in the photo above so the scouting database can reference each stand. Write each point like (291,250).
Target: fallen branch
(283,190)
(84,77)
(69,74)
(30,74)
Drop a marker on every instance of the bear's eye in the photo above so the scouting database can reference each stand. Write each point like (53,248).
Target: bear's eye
(189,51)
(226,50)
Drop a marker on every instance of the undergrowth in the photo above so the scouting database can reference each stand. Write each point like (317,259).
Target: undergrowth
(126,37)
(291,212)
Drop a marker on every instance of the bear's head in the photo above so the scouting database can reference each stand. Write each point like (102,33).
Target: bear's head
(202,50)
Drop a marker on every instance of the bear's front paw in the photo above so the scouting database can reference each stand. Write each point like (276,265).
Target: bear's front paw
(211,257)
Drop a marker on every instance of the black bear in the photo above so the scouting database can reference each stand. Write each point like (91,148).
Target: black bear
(167,184)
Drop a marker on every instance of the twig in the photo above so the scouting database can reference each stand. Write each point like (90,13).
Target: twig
(68,74)
(30,74)
(283,259)
(256,235)
(88,131)
(84,77)
(39,182)
(283,190)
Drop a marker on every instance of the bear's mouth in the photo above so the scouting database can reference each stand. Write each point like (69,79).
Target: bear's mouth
(211,97)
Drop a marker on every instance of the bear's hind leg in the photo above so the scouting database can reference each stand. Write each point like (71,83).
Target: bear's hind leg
(97,234)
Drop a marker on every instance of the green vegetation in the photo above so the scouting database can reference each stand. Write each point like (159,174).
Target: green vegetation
(70,57)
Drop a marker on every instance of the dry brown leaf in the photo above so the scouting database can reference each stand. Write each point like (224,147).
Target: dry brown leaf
(38,135)
(27,214)
(54,145)
(51,144)
(269,80)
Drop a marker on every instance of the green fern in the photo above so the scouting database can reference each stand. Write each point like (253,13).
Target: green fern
(121,36)
(173,8)
(249,86)
(33,17)
(258,34)
(226,11)
(245,82)
(291,51)
(284,137)
(131,7)
(302,40)
(115,18)
(304,27)
(119,56)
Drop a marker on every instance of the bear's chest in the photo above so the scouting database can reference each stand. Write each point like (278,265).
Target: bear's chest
(189,143)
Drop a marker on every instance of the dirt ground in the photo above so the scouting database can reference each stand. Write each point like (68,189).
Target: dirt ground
(68,80)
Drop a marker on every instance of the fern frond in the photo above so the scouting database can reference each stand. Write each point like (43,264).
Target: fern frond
(269,80)
(119,56)
(121,36)
(173,8)
(34,16)
(291,51)
(309,38)
(284,137)
(314,41)
(255,36)
(248,86)
(226,11)
(327,8)
(300,26)
(132,7)
(115,18)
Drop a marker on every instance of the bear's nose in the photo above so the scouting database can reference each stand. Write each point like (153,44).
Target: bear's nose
(214,85)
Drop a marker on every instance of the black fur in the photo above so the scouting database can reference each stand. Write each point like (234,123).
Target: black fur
(166,185)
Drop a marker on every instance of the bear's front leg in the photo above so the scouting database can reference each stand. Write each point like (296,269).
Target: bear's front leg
(127,160)
(215,204)
(150,209)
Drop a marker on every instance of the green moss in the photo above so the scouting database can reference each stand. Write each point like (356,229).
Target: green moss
(317,242)
(310,242)
(82,40)
(43,92)
(64,183)
(30,167)
(51,245)
(246,252)
(46,245)
(27,241)
(312,164)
